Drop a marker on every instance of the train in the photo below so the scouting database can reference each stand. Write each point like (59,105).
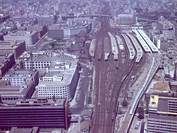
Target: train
(99,49)
(92,48)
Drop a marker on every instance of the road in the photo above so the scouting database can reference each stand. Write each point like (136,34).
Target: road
(83,92)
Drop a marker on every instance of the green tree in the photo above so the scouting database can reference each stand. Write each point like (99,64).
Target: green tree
(124,103)
(140,111)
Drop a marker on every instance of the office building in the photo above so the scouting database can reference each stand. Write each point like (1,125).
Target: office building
(6,62)
(30,37)
(162,114)
(16,47)
(40,113)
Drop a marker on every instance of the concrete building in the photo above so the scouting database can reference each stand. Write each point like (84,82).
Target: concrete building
(45,19)
(41,30)
(40,113)
(55,32)
(6,62)
(162,114)
(16,47)
(72,31)
(167,29)
(58,73)
(30,38)
(18,84)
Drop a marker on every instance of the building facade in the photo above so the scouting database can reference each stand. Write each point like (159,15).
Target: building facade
(6,62)
(35,113)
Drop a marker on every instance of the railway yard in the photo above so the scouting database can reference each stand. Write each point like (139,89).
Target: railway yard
(117,57)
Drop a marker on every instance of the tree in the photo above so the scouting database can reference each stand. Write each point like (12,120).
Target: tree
(124,103)
(140,111)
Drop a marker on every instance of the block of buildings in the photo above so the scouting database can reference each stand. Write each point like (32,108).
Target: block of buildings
(30,37)
(40,113)
(16,47)
(162,114)
(58,73)
(6,62)
(18,84)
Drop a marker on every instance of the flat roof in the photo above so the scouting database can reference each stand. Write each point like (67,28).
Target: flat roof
(162,104)
(163,117)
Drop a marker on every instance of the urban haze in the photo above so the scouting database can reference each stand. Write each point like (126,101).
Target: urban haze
(88,66)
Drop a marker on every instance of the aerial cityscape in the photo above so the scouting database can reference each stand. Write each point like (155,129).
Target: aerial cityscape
(88,66)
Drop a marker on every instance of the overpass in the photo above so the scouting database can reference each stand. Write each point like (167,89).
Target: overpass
(87,15)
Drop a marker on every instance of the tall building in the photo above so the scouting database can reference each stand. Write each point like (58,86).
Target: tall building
(40,113)
(162,114)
